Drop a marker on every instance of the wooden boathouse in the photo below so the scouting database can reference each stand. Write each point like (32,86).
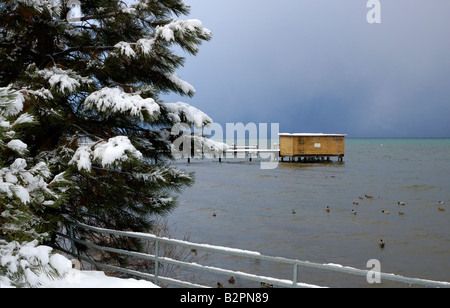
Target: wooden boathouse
(312,146)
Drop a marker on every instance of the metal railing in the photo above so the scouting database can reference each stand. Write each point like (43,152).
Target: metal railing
(157,278)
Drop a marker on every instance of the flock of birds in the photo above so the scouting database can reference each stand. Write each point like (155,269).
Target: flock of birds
(400,203)
(381,243)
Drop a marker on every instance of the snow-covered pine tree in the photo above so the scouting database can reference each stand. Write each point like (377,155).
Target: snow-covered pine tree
(26,192)
(27,189)
(92,88)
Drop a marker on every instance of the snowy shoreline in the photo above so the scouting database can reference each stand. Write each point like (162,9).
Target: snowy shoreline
(30,265)
(76,279)
(96,279)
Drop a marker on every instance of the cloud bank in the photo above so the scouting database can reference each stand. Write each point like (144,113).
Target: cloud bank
(319,66)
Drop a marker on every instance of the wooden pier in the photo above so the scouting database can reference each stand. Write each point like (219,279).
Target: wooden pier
(252,151)
(245,152)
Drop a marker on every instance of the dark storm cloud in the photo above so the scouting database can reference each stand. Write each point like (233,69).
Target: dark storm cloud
(319,66)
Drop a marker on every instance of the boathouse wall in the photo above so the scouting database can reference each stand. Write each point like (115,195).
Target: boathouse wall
(304,145)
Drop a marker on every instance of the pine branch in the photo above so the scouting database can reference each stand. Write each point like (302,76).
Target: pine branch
(83,49)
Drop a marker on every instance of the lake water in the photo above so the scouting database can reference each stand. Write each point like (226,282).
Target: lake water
(254,211)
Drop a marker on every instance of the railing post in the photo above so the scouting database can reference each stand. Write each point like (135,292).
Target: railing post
(156,261)
(295,276)
(72,240)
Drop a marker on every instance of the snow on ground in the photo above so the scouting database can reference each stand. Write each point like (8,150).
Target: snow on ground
(35,265)
(76,279)
(96,279)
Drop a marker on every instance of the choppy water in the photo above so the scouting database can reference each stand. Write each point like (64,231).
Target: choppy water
(254,206)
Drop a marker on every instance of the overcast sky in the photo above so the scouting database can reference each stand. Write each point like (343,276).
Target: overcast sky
(319,66)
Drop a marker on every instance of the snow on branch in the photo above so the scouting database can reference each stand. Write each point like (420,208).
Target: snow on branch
(65,81)
(18,146)
(42,93)
(82,158)
(125,49)
(184,113)
(24,118)
(11,101)
(145,46)
(177,7)
(116,149)
(52,6)
(184,86)
(113,100)
(198,146)
(181,29)
(208,147)
(17,181)
(30,264)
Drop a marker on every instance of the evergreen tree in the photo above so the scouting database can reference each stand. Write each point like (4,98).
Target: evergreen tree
(97,130)
(25,192)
